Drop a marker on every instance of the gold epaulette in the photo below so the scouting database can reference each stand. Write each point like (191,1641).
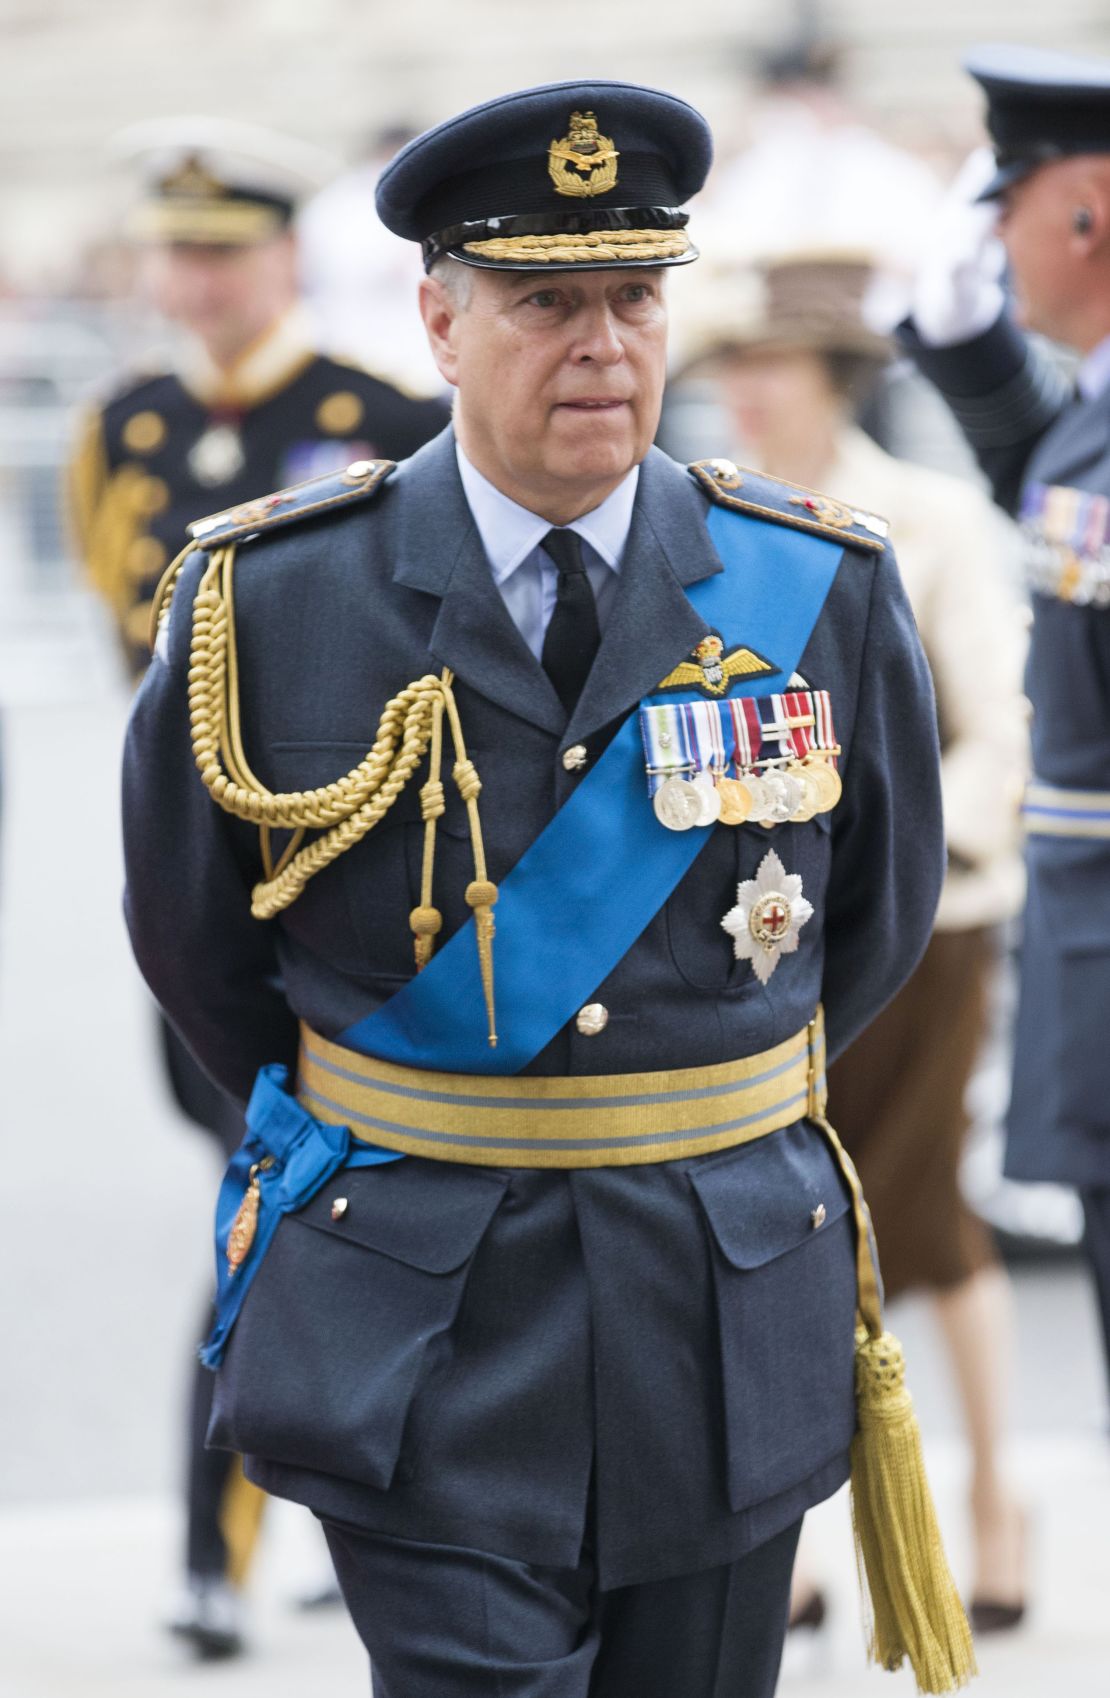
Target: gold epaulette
(783,503)
(359,480)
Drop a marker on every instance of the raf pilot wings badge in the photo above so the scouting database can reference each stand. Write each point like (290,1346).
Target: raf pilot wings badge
(711,670)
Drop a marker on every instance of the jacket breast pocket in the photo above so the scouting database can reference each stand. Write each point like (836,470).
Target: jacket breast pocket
(328,1351)
(785,1282)
(701,949)
(354,914)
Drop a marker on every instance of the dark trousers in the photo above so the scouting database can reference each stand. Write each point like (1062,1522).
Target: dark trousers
(1096,1243)
(446,1622)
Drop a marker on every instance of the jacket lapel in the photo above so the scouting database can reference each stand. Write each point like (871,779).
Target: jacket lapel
(652,625)
(440,552)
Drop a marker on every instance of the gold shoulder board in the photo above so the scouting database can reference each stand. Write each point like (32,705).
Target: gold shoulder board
(784,503)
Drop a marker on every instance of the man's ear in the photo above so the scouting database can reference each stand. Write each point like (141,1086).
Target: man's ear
(439,313)
(1090,223)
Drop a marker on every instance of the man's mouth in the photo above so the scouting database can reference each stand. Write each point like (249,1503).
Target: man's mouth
(602,404)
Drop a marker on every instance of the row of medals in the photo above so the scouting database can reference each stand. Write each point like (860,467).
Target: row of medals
(791,792)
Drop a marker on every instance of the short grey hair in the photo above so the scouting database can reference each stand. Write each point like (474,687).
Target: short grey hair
(457,280)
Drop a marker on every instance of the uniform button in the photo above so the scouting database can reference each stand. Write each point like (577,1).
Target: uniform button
(339,1208)
(359,469)
(592,1019)
(818,1216)
(575,758)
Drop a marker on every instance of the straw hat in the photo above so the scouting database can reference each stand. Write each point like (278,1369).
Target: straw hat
(798,301)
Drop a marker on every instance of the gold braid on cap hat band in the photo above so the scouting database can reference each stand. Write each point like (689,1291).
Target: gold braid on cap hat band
(583,246)
(345,810)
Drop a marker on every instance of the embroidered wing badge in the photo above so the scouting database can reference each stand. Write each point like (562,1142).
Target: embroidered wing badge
(712,671)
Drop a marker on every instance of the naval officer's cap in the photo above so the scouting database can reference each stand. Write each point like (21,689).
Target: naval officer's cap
(213,181)
(568,176)
(1041,106)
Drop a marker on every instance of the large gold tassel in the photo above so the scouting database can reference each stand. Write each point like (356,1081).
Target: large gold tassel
(915,1610)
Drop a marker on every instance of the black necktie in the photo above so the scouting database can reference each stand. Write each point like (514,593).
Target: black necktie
(573,635)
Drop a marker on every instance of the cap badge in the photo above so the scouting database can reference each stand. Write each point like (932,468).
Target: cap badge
(584,162)
(192,178)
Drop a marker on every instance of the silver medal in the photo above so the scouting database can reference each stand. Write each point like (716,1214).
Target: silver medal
(782,796)
(217,456)
(678,804)
(710,799)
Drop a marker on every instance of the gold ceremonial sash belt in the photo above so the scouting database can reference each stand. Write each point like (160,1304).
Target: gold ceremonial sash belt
(1049,811)
(601,1120)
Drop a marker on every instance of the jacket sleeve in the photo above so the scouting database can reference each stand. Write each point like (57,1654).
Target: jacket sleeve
(888,838)
(189,870)
(1004,391)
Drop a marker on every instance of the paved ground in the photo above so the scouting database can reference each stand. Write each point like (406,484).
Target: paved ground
(104,1202)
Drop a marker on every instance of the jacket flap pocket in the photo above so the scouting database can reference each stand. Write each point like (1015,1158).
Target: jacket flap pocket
(429,1215)
(760,1200)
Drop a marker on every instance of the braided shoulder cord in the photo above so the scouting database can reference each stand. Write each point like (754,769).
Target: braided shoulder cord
(350,806)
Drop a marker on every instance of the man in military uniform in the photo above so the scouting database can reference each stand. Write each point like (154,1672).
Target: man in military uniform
(1044,443)
(541,1289)
(251,405)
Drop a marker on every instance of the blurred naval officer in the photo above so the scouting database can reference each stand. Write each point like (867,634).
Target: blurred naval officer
(538,1269)
(252,404)
(1044,443)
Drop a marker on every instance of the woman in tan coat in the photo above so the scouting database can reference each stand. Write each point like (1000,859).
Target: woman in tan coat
(791,356)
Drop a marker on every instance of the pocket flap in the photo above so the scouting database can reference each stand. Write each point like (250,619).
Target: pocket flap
(760,1200)
(429,1215)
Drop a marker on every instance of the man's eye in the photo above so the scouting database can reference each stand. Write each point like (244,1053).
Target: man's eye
(637,292)
(544,298)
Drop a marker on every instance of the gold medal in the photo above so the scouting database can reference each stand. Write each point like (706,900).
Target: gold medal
(828,782)
(736,801)
(809,803)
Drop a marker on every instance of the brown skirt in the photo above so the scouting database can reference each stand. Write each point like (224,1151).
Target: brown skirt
(896,1097)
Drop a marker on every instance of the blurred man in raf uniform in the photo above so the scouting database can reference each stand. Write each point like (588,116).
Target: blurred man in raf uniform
(1044,443)
(538,1265)
(251,404)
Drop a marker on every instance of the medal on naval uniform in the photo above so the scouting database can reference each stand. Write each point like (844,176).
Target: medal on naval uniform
(217,455)
(769,914)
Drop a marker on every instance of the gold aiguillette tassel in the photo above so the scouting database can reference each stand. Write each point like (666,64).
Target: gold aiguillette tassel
(481,894)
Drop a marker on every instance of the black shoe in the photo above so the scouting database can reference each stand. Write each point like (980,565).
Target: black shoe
(210,1617)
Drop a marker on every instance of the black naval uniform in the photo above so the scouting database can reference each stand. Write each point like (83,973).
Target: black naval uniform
(1046,451)
(540,1412)
(142,474)
(138,480)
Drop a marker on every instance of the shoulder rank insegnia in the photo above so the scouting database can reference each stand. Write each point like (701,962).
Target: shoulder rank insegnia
(357,482)
(783,503)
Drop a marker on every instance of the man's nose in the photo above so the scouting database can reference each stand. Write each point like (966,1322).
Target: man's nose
(599,339)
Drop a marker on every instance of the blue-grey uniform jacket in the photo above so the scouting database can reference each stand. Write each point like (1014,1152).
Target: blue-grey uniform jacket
(1037,441)
(657,1358)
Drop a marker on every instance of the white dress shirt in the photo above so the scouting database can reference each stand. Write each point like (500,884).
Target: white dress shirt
(523,572)
(1093,375)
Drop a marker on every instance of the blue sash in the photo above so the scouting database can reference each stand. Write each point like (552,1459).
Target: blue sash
(559,937)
